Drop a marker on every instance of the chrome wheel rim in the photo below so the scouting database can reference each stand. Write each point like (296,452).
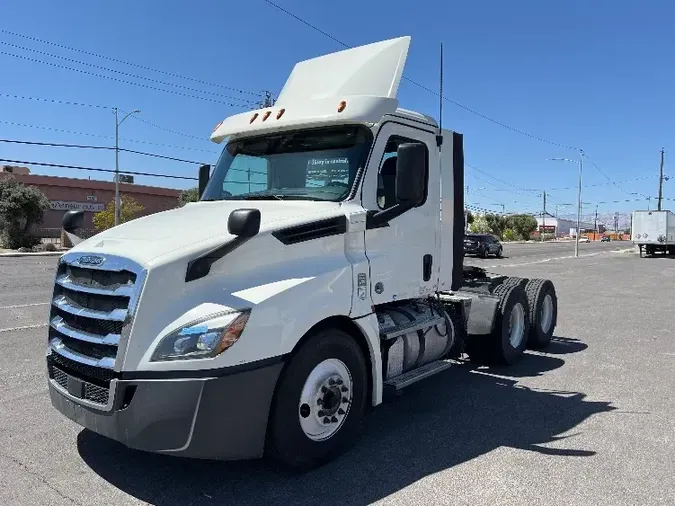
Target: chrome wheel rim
(547,313)
(517,325)
(325,399)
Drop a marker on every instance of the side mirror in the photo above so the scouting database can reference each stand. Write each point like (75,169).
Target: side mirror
(411,173)
(204,175)
(244,222)
(72,220)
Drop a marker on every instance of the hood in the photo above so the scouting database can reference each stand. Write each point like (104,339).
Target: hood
(145,239)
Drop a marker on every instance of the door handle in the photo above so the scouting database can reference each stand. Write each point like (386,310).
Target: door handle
(427,262)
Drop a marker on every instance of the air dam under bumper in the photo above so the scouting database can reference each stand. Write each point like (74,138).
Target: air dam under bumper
(223,418)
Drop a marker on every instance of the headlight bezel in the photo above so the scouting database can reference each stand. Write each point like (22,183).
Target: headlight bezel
(197,331)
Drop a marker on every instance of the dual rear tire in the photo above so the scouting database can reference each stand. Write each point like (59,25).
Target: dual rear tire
(526,317)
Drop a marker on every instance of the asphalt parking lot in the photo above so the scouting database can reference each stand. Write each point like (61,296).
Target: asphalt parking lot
(589,422)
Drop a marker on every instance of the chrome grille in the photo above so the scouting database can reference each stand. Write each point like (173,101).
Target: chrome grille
(95,393)
(60,377)
(92,311)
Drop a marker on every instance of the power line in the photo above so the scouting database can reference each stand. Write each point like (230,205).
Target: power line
(520,188)
(642,178)
(55,144)
(138,118)
(90,146)
(61,130)
(109,58)
(136,76)
(496,122)
(607,177)
(141,85)
(68,102)
(94,169)
(53,101)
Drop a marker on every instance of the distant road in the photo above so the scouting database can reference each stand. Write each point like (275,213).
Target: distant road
(534,251)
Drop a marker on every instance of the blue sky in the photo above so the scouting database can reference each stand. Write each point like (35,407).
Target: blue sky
(594,75)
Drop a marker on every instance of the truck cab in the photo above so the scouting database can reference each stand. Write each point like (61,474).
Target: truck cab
(322,265)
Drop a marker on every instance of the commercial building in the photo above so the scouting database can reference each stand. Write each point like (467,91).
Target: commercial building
(91,196)
(561,227)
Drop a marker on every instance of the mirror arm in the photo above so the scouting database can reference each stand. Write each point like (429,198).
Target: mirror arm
(376,219)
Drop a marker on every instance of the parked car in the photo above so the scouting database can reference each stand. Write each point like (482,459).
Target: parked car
(482,245)
(605,238)
(584,238)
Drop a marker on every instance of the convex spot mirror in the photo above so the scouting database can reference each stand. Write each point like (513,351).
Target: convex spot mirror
(244,222)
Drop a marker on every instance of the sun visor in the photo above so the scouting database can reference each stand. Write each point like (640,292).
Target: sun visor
(356,85)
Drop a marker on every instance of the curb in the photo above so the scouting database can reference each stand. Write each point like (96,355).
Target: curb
(33,254)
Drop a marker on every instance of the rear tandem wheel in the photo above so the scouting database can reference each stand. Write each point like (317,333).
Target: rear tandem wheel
(508,340)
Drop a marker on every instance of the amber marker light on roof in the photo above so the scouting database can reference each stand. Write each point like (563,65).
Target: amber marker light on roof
(253,118)
(266,115)
(281,113)
(342,106)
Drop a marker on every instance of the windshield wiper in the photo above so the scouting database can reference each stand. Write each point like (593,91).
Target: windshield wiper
(265,196)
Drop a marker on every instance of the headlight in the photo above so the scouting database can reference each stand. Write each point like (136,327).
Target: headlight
(203,338)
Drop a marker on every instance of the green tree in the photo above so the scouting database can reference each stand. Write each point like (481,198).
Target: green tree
(129,209)
(21,207)
(189,195)
(523,225)
(496,224)
(479,225)
(509,234)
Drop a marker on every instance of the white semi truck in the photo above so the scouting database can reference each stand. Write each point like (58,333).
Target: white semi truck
(321,268)
(653,231)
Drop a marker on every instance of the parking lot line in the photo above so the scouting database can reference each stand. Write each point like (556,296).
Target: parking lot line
(25,327)
(16,306)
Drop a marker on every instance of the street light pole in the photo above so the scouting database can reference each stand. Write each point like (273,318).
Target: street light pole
(576,242)
(117,163)
(581,168)
(117,171)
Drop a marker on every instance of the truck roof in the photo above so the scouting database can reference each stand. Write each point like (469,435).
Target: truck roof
(357,85)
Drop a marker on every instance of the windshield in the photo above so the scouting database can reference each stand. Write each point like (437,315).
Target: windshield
(317,164)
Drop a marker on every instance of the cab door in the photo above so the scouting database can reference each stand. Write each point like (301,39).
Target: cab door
(404,253)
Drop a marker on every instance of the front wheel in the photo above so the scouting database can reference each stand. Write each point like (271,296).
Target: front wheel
(320,401)
(499,253)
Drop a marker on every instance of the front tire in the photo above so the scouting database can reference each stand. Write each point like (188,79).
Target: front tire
(320,401)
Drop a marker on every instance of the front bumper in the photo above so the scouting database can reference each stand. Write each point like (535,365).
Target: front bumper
(473,250)
(221,417)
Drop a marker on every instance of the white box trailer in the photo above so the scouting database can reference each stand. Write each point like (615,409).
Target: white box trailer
(653,231)
(265,319)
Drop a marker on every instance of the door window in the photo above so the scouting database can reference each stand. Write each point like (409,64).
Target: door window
(386,175)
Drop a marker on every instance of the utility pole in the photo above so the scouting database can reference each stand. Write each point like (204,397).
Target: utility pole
(543,219)
(595,227)
(661,182)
